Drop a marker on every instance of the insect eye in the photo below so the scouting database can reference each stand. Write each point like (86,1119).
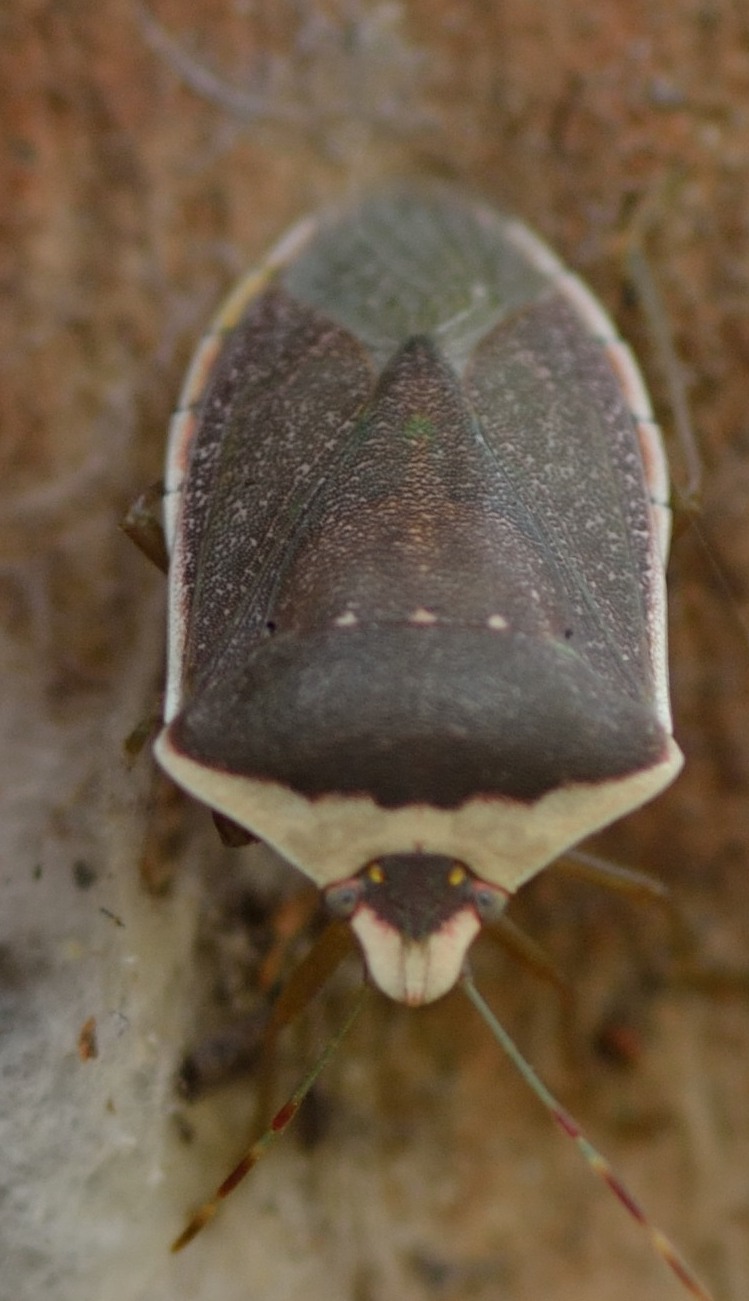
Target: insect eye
(489,904)
(343,899)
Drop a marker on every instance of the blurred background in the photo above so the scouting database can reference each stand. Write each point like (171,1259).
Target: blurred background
(149,154)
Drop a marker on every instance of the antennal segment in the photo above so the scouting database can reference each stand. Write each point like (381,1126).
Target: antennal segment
(598,1163)
(278,1125)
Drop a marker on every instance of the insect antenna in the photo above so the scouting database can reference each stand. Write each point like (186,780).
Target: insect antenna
(278,1125)
(597,1162)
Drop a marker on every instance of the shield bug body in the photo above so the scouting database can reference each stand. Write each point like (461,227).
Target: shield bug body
(416,506)
(417,513)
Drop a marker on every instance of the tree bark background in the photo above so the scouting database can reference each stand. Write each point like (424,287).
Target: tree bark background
(149,154)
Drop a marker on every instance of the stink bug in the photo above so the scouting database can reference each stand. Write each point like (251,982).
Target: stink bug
(416,506)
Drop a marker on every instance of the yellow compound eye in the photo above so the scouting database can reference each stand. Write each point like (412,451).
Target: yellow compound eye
(456,875)
(376,874)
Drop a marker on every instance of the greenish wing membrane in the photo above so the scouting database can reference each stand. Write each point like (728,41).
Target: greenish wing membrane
(410,264)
